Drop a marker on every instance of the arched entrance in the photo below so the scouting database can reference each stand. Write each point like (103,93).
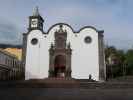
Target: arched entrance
(60,66)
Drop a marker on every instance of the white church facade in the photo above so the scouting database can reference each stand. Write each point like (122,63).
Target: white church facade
(62,52)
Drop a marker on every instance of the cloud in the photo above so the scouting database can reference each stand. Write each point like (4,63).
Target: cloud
(114,16)
(8,32)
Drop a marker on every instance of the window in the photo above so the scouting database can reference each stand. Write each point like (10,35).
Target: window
(87,39)
(34,41)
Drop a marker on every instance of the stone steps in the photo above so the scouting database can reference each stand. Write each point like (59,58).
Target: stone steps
(57,83)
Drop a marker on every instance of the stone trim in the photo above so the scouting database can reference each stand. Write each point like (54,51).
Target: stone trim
(98,31)
(102,66)
(24,49)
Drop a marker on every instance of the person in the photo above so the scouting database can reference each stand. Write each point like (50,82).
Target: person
(90,77)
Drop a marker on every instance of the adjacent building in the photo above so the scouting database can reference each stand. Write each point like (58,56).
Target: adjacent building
(10,67)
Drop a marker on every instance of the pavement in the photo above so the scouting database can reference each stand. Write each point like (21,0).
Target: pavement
(85,90)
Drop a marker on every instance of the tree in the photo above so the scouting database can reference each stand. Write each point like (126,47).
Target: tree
(117,58)
(109,50)
(129,61)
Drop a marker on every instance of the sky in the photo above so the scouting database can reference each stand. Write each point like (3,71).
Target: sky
(115,17)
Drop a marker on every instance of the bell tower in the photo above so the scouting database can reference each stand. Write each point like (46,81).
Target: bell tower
(60,55)
(35,21)
(32,46)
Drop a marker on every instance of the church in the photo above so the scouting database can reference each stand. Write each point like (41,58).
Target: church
(62,52)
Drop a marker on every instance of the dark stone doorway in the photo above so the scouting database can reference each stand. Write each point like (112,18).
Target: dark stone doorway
(60,66)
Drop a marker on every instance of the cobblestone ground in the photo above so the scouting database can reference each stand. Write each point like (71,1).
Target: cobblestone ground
(65,94)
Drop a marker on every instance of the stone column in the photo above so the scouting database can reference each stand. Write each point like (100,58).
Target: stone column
(102,66)
(68,62)
(51,62)
(24,52)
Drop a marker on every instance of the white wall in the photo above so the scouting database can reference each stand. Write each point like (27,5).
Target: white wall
(35,65)
(85,59)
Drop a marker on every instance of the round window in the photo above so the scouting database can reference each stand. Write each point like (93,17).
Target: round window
(87,39)
(34,41)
